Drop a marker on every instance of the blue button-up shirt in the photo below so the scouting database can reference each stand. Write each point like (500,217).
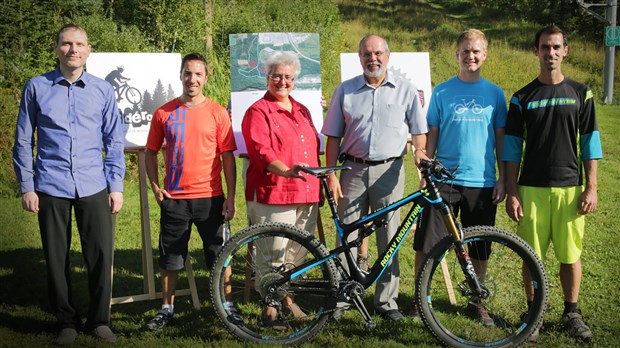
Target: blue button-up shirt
(75,123)
(374,122)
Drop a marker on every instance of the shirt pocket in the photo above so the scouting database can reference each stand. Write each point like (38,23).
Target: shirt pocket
(395,115)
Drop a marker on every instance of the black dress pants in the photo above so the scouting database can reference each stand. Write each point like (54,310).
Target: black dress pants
(96,229)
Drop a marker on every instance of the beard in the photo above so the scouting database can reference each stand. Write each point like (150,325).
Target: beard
(376,73)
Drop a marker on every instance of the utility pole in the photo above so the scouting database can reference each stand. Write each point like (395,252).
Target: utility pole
(612,39)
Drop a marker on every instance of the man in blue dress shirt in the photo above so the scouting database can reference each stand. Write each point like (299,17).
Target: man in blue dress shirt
(368,122)
(76,119)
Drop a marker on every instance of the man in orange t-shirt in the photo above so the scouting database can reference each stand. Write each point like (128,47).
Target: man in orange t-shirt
(199,143)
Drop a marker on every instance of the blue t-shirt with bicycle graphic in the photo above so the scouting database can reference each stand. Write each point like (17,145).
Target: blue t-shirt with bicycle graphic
(467,114)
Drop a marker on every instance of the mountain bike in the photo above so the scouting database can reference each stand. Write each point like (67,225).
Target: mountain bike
(471,105)
(132,94)
(319,283)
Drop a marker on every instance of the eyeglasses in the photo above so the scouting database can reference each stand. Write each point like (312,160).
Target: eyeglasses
(278,77)
(377,54)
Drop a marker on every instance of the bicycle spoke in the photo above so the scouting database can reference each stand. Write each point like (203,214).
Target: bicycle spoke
(256,258)
(466,320)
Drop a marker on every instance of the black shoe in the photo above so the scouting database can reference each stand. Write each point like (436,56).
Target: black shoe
(65,336)
(477,311)
(104,334)
(576,327)
(414,310)
(163,318)
(392,314)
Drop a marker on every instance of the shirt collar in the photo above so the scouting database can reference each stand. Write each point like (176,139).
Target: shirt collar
(273,103)
(81,81)
(361,82)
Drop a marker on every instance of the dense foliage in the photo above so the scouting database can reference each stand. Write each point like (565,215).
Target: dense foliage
(28,27)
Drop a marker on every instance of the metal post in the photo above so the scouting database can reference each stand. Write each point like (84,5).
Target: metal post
(610,51)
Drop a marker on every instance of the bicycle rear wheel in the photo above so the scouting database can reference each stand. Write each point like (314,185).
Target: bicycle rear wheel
(240,282)
(453,319)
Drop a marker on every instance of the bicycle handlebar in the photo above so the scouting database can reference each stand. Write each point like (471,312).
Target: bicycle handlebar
(435,168)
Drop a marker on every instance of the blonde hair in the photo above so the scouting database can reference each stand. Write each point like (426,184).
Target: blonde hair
(472,35)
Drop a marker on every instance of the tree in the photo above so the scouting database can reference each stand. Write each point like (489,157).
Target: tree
(148,104)
(159,96)
(171,95)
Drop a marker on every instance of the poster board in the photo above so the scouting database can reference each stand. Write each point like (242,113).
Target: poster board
(142,82)
(248,74)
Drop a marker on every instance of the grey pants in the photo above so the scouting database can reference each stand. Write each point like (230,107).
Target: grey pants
(374,187)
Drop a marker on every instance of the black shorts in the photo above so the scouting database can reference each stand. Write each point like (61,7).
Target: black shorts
(177,217)
(475,206)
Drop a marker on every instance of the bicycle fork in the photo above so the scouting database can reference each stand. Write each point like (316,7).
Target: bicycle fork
(475,287)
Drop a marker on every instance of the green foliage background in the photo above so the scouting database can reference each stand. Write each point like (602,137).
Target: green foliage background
(28,28)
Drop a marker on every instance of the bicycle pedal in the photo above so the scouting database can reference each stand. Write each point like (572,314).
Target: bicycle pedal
(370,324)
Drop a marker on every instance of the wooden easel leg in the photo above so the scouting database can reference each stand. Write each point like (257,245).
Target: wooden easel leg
(147,249)
(448,280)
(192,283)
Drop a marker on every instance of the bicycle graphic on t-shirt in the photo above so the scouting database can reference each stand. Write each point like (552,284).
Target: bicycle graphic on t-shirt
(471,105)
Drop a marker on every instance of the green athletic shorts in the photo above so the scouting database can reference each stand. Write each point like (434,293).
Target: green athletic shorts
(550,214)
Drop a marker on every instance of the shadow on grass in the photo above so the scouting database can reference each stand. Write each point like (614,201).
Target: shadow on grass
(24,298)
(24,305)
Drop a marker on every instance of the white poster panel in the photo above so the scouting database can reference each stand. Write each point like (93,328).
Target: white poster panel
(248,75)
(142,83)
(414,66)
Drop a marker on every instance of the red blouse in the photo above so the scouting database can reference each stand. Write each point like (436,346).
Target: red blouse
(272,133)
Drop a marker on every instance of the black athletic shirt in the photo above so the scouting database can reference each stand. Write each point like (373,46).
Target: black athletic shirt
(558,123)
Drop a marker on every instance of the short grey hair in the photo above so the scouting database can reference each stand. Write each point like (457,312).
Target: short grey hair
(365,38)
(283,58)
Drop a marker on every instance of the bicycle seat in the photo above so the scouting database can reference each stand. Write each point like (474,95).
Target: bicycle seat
(322,171)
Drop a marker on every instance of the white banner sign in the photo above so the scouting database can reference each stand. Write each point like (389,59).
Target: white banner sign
(414,66)
(142,83)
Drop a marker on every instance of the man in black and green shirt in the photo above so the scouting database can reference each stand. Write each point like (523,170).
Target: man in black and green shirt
(555,118)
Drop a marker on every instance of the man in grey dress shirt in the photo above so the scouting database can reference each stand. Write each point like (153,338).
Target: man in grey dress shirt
(368,122)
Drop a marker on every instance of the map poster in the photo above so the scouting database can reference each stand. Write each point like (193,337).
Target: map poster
(142,83)
(248,75)
(414,66)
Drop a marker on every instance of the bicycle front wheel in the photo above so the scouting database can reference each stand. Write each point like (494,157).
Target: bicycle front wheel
(242,281)
(452,312)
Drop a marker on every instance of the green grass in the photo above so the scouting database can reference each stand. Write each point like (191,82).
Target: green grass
(23,301)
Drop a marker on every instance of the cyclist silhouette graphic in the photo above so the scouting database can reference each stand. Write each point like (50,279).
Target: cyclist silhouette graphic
(119,82)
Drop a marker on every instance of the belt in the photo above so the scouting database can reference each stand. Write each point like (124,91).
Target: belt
(346,156)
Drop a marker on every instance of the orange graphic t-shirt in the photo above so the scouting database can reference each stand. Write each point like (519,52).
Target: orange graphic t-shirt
(195,138)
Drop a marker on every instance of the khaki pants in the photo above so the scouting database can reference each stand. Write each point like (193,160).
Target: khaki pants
(274,252)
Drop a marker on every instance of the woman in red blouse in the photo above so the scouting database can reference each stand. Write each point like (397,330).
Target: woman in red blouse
(280,137)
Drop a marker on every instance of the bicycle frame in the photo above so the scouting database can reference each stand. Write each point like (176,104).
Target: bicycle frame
(422,199)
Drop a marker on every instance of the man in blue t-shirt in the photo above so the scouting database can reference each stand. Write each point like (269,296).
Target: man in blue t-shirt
(466,119)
